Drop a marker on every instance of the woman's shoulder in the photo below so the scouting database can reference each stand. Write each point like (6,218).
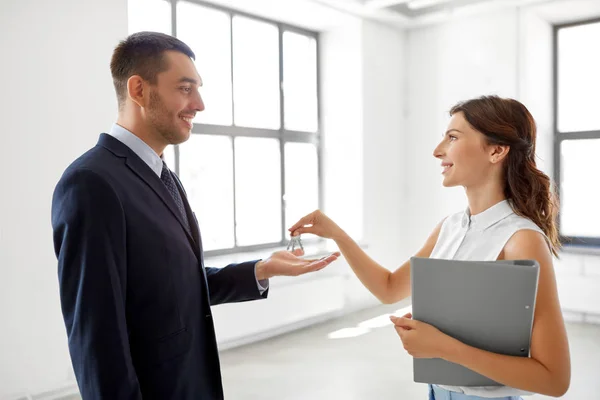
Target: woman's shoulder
(524,236)
(517,222)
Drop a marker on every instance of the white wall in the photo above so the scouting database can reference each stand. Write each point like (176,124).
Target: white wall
(384,59)
(508,53)
(342,105)
(534,80)
(56,98)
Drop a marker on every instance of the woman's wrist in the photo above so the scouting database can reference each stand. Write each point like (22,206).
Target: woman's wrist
(341,237)
(451,349)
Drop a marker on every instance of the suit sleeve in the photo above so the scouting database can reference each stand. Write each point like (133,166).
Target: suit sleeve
(234,283)
(89,241)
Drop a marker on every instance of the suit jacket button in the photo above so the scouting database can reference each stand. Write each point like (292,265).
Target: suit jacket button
(207,315)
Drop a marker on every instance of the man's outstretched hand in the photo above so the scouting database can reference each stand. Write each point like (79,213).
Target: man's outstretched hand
(288,263)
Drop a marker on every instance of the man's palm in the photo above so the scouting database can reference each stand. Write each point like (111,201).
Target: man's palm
(286,263)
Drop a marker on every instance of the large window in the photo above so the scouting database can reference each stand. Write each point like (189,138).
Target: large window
(252,165)
(577,130)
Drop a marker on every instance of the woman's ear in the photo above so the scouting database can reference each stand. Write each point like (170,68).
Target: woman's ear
(498,153)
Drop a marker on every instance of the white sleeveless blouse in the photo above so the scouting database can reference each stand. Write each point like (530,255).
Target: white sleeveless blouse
(480,237)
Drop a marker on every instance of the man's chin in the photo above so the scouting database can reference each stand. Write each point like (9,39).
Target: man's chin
(181,137)
(186,135)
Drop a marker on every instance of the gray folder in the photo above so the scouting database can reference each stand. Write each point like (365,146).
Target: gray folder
(488,305)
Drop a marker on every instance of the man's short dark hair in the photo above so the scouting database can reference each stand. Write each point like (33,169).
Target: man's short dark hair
(142,54)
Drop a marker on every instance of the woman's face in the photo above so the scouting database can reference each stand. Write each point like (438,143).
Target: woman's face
(465,155)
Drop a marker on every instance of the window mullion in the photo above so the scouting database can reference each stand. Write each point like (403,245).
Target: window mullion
(281,135)
(235,222)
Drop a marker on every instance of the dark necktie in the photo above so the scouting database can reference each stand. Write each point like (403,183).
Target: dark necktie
(167,178)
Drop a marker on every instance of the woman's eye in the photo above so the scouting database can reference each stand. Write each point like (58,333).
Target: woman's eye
(452,138)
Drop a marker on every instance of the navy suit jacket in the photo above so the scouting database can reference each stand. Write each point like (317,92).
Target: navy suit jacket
(134,292)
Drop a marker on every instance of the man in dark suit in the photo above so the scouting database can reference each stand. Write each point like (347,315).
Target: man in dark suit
(134,291)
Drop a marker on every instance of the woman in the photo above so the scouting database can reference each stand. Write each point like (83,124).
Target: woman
(489,149)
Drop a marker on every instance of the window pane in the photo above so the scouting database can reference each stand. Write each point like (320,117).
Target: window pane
(206,170)
(255,73)
(257,191)
(300,82)
(169,157)
(149,15)
(580,215)
(579,78)
(301,181)
(208,33)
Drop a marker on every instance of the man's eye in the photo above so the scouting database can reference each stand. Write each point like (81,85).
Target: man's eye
(186,89)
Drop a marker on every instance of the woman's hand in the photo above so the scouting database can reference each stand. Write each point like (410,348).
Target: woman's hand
(420,339)
(318,224)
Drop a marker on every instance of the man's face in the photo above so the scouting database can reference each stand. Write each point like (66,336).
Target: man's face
(175,99)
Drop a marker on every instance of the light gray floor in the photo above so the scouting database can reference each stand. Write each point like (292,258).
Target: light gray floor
(306,364)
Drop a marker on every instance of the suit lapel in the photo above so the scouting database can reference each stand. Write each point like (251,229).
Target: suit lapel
(145,173)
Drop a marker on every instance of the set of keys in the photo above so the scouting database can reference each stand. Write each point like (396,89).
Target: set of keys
(295,243)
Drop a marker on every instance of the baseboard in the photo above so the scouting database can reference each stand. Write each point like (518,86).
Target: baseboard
(66,392)
(591,318)
(230,344)
(581,317)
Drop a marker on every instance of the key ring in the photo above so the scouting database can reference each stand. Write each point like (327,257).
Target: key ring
(295,242)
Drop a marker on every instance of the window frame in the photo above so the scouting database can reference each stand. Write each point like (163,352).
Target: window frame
(283,135)
(559,137)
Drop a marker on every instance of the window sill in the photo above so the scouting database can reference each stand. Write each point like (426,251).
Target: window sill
(584,250)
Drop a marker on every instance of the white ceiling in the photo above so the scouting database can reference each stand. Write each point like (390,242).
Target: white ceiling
(400,13)
(323,15)
(419,8)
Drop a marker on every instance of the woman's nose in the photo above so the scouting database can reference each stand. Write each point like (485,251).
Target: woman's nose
(438,151)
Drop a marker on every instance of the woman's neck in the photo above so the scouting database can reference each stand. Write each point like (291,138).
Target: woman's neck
(483,197)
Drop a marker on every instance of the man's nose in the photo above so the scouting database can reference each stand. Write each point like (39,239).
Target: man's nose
(198,103)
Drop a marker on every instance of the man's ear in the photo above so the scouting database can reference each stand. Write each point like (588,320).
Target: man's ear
(498,153)
(136,90)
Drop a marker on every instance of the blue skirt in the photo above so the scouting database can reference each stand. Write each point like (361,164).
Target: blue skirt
(437,393)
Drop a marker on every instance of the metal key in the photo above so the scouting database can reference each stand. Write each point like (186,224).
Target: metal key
(295,242)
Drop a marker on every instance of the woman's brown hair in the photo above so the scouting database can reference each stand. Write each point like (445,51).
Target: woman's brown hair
(507,122)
